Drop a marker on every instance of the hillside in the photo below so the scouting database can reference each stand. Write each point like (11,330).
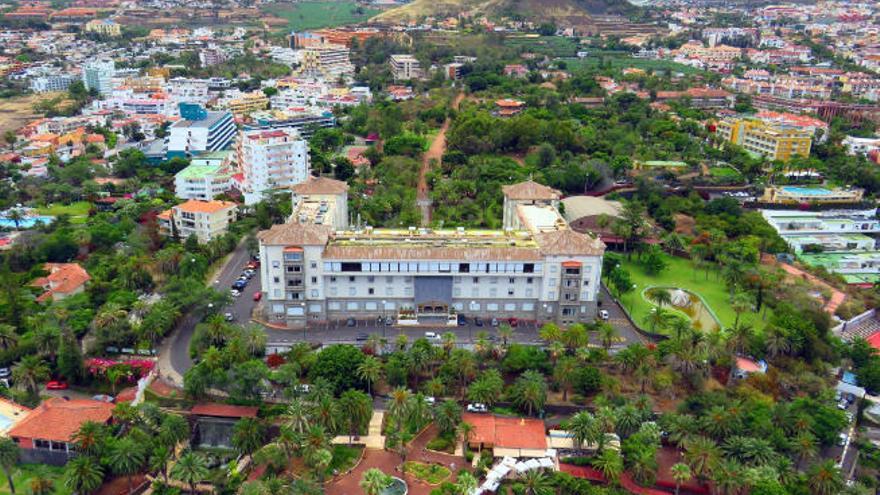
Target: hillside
(563,12)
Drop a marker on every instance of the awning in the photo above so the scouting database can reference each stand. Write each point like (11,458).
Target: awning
(571,264)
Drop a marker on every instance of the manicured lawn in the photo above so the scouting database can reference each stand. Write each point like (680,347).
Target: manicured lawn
(621,61)
(724,172)
(344,458)
(432,474)
(317,14)
(22,474)
(78,211)
(680,273)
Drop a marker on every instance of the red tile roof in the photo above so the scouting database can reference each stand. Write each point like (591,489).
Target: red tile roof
(58,419)
(63,278)
(224,411)
(512,433)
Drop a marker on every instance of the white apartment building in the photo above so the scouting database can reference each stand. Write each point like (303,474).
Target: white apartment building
(206,220)
(188,90)
(271,160)
(860,146)
(405,68)
(317,268)
(58,82)
(828,231)
(329,61)
(206,177)
(199,131)
(98,75)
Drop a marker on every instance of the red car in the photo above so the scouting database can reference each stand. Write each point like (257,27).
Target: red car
(513,322)
(258,296)
(56,385)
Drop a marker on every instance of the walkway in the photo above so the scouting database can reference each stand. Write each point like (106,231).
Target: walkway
(418,451)
(374,439)
(434,154)
(837,297)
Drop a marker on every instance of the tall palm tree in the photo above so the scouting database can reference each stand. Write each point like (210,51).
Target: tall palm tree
(610,464)
(447,416)
(607,334)
(248,434)
(464,431)
(41,482)
(805,446)
(585,430)
(536,483)
(825,478)
(550,332)
(661,297)
(190,469)
(9,454)
(643,464)
(529,392)
(728,477)
(8,337)
(701,454)
(448,339)
(370,371)
(564,374)
(374,481)
(398,407)
(297,415)
(29,372)
(681,473)
(505,333)
(90,438)
(83,475)
(126,457)
(465,483)
(358,408)
(657,317)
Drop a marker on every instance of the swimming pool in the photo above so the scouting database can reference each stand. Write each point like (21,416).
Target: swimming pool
(807,191)
(26,222)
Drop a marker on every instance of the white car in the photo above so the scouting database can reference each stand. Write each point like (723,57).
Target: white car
(603,314)
(841,440)
(476,407)
(433,336)
(234,293)
(430,400)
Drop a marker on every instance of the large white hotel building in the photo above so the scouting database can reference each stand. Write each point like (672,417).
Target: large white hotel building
(318,268)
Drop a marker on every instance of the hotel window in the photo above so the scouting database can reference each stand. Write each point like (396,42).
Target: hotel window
(352,291)
(510,292)
(314,293)
(276,264)
(314,265)
(371,306)
(456,292)
(314,308)
(333,291)
(528,306)
(371,291)
(389,291)
(476,280)
(328,266)
(394,267)
(383,267)
(371,279)
(351,279)
(352,306)
(475,306)
(389,280)
(276,279)
(475,292)
(314,280)
(491,307)
(510,307)
(278,308)
(511,280)
(529,280)
(334,306)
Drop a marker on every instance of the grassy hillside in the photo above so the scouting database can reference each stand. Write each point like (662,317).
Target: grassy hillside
(319,14)
(564,12)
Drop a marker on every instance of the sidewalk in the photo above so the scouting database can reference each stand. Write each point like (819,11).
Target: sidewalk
(373,439)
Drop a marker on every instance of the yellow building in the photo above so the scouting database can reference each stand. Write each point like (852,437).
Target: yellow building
(248,102)
(774,141)
(105,27)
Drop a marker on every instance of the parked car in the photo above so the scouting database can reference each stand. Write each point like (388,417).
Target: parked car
(478,321)
(842,439)
(476,407)
(235,293)
(433,336)
(56,385)
(6,382)
(350,322)
(494,322)
(229,317)
(104,398)
(302,388)
(5,373)
(252,265)
(362,337)
(430,400)
(843,405)
(603,314)
(258,296)
(513,322)
(462,320)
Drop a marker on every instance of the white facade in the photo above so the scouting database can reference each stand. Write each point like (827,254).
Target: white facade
(860,146)
(316,272)
(206,177)
(98,75)
(207,220)
(192,137)
(44,84)
(405,67)
(829,231)
(271,160)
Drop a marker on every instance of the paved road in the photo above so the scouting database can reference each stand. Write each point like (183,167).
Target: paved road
(175,350)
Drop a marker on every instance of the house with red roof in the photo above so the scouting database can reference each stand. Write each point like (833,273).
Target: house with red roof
(46,434)
(511,437)
(64,280)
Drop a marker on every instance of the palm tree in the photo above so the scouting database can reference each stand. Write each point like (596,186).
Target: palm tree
(628,420)
(464,431)
(398,407)
(297,415)
(530,391)
(83,475)
(173,430)
(357,407)
(564,374)
(374,343)
(555,349)
(739,338)
(657,317)
(661,297)
(607,334)
(505,333)
(805,446)
(16,216)
(29,372)
(8,459)
(374,481)
(465,483)
(447,416)
(190,469)
(741,303)
(550,333)
(728,477)
(41,483)
(126,457)
(701,454)
(536,483)
(585,429)
(681,473)
(449,339)
(255,340)
(776,342)
(643,464)
(89,439)
(8,337)
(610,464)
(825,478)
(248,434)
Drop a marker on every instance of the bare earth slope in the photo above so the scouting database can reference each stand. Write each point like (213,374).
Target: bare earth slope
(563,12)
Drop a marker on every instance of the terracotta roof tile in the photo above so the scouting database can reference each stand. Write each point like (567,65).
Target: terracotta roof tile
(320,185)
(224,411)
(63,278)
(530,190)
(58,419)
(295,234)
(196,206)
(569,242)
(514,433)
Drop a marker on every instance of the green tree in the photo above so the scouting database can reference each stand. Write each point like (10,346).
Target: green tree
(825,478)
(610,463)
(126,457)
(357,409)
(90,438)
(681,474)
(535,482)
(447,416)
(465,483)
(529,392)
(248,435)
(9,454)
(29,372)
(190,469)
(83,474)
(374,481)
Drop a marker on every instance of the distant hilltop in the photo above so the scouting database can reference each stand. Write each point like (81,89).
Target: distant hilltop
(566,13)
